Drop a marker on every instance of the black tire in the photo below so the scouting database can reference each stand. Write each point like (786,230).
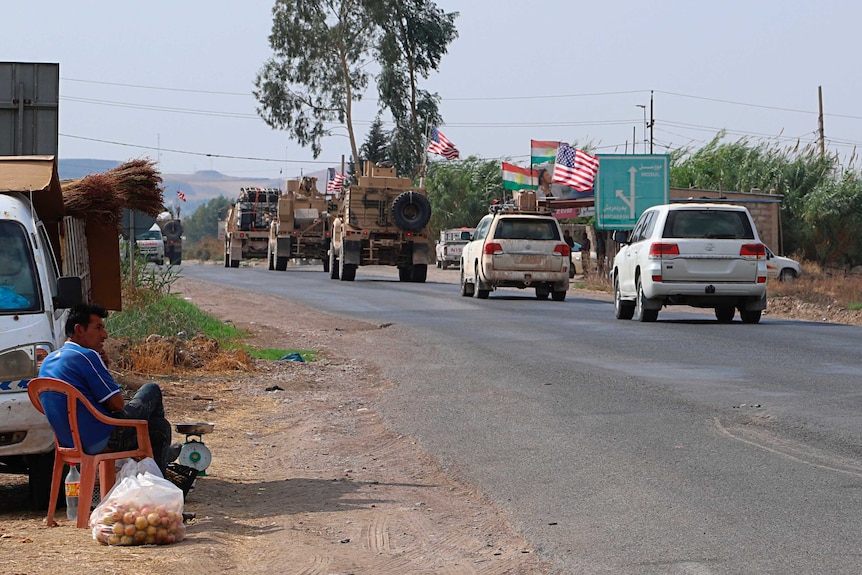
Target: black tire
(234,263)
(411,211)
(622,309)
(786,274)
(479,290)
(173,230)
(725,313)
(347,272)
(333,263)
(444,265)
(466,288)
(419,273)
(226,261)
(281,264)
(405,273)
(542,292)
(271,261)
(40,470)
(558,295)
(750,316)
(641,314)
(326,263)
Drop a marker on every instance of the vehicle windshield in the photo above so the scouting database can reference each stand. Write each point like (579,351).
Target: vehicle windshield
(527,229)
(708,224)
(150,235)
(19,290)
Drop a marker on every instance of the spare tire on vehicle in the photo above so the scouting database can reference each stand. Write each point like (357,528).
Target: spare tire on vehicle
(173,230)
(411,211)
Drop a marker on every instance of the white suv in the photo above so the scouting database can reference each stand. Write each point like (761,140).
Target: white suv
(701,255)
(516,248)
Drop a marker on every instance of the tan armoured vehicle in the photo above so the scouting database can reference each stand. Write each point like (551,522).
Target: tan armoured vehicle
(381,221)
(246,229)
(301,228)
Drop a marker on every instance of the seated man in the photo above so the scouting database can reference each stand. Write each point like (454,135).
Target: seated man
(80,362)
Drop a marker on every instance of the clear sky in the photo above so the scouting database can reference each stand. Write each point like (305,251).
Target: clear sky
(172,80)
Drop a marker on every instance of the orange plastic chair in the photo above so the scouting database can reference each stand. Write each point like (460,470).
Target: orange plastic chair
(105,462)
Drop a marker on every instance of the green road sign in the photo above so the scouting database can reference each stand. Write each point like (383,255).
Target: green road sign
(629,184)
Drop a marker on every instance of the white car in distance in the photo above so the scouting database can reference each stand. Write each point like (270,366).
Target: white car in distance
(700,255)
(781,268)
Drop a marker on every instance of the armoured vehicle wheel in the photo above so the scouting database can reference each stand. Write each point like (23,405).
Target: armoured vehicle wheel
(281,263)
(271,262)
(346,271)
(405,273)
(419,273)
(226,261)
(333,263)
(411,211)
(234,263)
(325,263)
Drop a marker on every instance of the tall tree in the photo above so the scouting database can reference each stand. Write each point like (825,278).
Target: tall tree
(415,36)
(374,149)
(316,73)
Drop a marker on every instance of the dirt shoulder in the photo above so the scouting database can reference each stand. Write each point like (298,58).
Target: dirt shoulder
(305,479)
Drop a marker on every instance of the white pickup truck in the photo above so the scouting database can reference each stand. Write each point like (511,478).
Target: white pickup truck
(451,244)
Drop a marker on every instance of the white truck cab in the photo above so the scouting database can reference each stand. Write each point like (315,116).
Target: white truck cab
(33,310)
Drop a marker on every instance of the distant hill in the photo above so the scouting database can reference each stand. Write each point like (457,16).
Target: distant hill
(198,188)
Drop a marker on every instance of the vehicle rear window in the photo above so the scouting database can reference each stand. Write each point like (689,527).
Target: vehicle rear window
(708,224)
(526,229)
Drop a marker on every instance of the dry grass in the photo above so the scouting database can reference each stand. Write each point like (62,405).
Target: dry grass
(170,356)
(824,286)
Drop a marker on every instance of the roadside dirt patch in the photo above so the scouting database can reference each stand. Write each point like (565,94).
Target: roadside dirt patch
(305,478)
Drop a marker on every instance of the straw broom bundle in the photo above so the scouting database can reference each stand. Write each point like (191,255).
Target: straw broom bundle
(138,185)
(92,198)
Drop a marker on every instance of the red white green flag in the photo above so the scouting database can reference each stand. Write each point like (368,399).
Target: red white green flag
(518,178)
(542,152)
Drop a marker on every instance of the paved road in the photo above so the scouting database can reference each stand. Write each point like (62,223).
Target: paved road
(684,446)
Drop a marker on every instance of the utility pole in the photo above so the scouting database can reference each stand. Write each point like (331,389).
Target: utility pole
(820,122)
(643,107)
(651,120)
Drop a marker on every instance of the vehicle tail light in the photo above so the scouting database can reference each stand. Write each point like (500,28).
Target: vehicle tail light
(761,279)
(659,249)
(562,249)
(656,278)
(753,250)
(492,248)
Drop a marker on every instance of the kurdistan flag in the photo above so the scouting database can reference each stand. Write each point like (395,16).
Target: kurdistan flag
(518,178)
(542,152)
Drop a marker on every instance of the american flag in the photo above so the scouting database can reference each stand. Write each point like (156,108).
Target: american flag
(575,168)
(441,145)
(336,184)
(181,195)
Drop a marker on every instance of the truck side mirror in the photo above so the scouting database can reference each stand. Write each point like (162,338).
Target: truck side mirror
(68,292)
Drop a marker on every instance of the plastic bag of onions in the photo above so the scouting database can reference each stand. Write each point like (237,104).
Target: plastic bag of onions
(141,510)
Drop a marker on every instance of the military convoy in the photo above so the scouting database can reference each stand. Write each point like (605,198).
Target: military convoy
(301,227)
(380,221)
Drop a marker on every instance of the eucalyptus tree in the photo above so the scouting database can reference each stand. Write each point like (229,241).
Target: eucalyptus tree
(318,68)
(415,35)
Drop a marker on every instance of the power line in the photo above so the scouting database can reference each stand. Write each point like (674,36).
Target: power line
(223,156)
(219,93)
